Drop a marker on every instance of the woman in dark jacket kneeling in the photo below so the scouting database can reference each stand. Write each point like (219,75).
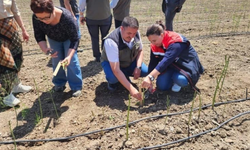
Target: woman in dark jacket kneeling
(173,60)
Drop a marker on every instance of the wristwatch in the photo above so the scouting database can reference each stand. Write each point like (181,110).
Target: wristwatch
(151,77)
(139,68)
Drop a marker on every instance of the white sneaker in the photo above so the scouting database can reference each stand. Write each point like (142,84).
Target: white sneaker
(21,88)
(11,100)
(176,88)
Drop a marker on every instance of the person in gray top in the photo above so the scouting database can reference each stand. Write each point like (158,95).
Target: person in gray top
(98,17)
(170,8)
(121,11)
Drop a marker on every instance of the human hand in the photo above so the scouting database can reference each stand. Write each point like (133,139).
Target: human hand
(137,73)
(146,83)
(25,36)
(134,92)
(66,61)
(51,52)
(82,20)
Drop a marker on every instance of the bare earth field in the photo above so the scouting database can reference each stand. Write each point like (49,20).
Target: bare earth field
(215,29)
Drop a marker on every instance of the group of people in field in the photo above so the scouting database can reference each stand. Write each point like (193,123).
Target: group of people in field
(173,64)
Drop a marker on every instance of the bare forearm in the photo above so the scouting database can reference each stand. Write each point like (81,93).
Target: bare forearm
(139,59)
(68,6)
(43,46)
(20,22)
(71,52)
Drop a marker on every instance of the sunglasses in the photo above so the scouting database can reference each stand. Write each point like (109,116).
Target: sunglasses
(43,19)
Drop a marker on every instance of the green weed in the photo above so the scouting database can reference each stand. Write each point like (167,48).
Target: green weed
(220,81)
(13,136)
(127,126)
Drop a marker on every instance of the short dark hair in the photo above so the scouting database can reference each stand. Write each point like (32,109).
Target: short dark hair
(40,6)
(130,22)
(154,29)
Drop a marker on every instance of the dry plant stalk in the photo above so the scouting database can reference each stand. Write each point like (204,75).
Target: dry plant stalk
(58,67)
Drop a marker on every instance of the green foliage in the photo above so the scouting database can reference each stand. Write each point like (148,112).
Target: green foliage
(168,107)
(13,136)
(220,81)
(191,111)
(1,103)
(24,113)
(37,118)
(200,100)
(111,117)
(39,100)
(51,95)
(127,126)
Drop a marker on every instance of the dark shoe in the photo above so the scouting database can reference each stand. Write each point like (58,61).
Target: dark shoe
(79,50)
(112,87)
(97,59)
(77,93)
(59,88)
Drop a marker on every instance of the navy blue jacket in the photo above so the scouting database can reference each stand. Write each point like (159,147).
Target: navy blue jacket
(176,53)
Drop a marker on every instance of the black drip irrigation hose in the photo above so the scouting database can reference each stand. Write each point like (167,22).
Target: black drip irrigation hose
(133,122)
(196,135)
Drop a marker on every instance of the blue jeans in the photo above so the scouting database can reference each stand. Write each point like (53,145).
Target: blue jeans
(74,74)
(79,30)
(78,23)
(128,72)
(165,81)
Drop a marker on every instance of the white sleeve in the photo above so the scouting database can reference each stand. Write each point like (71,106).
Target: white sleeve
(82,5)
(113,3)
(112,51)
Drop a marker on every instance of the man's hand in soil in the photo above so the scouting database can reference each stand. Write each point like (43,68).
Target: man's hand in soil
(137,73)
(134,92)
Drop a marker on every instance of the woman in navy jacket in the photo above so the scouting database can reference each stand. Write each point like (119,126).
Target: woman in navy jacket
(173,60)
